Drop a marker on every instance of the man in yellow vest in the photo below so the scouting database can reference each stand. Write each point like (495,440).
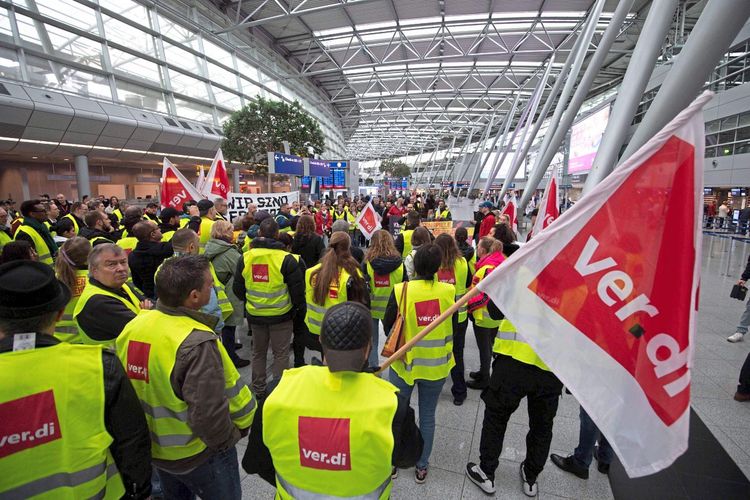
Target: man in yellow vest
(77,211)
(208,215)
(284,218)
(442,212)
(334,430)
(107,303)
(71,424)
(98,228)
(220,204)
(5,236)
(197,406)
(35,232)
(517,373)
(403,240)
(273,287)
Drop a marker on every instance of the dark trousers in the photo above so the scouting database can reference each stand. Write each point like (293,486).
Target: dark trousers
(298,341)
(587,438)
(228,339)
(744,387)
(458,389)
(511,381)
(485,339)
(216,478)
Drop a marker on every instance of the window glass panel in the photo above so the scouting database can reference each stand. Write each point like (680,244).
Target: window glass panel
(729,122)
(48,74)
(141,97)
(128,8)
(133,65)
(742,148)
(743,134)
(64,43)
(183,59)
(187,85)
(128,36)
(194,111)
(713,126)
(177,32)
(215,52)
(9,66)
(5,23)
(710,152)
(247,70)
(726,150)
(223,116)
(725,137)
(227,99)
(70,12)
(250,89)
(745,119)
(711,139)
(222,76)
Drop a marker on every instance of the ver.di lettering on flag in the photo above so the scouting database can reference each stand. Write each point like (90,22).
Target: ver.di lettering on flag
(175,188)
(510,209)
(217,179)
(368,221)
(606,296)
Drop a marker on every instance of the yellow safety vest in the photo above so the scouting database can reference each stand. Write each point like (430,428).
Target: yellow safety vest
(246,244)
(336,294)
(73,220)
(184,222)
(49,228)
(444,215)
(118,215)
(66,330)
(283,229)
(4,239)
(407,242)
(473,264)
(482,315)
(510,343)
(381,287)
(89,291)
(456,277)
(167,236)
(221,294)
(148,348)
(127,243)
(330,434)
(432,357)
(42,250)
(96,240)
(204,233)
(266,294)
(55,444)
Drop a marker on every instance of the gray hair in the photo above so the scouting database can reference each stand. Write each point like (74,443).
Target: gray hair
(94,256)
(340,226)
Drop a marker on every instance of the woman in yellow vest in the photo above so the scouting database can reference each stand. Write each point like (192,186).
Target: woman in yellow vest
(490,255)
(335,279)
(383,269)
(429,362)
(455,270)
(71,267)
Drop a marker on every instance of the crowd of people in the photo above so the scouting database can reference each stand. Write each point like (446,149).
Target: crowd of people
(129,318)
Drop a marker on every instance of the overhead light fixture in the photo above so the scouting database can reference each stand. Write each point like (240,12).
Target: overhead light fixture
(66,159)
(34,157)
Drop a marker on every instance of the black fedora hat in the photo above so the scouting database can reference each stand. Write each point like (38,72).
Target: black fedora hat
(29,289)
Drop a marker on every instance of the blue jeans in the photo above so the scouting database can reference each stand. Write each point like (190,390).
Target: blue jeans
(374,359)
(217,478)
(587,437)
(457,372)
(744,319)
(429,391)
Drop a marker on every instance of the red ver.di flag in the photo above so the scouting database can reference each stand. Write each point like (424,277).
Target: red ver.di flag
(510,210)
(217,179)
(175,188)
(549,208)
(607,295)
(368,221)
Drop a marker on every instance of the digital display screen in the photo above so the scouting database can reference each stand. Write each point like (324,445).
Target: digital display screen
(585,138)
(708,191)
(738,192)
(338,178)
(305,184)
(325,182)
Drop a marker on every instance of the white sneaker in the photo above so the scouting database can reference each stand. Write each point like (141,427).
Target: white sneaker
(736,337)
(529,489)
(478,477)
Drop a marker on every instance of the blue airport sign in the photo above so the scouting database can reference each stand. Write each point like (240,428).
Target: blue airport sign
(319,168)
(286,164)
(338,164)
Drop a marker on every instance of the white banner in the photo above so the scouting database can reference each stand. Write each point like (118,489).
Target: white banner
(237,203)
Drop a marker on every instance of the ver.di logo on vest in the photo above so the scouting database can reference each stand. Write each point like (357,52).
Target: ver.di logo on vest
(28,422)
(427,311)
(324,443)
(446,276)
(138,353)
(382,280)
(260,273)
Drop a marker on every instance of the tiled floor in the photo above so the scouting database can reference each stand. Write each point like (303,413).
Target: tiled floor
(716,368)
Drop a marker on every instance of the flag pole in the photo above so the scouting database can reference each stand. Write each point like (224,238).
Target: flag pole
(427,329)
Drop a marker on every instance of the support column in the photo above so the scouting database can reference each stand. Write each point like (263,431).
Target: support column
(602,51)
(236,180)
(82,176)
(631,90)
(715,30)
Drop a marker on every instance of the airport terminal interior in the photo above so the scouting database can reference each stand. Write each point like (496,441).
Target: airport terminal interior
(479,100)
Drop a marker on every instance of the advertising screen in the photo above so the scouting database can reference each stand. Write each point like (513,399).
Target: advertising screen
(585,138)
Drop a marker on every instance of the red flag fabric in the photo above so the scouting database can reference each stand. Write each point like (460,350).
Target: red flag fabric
(368,221)
(589,294)
(549,208)
(217,180)
(510,209)
(175,188)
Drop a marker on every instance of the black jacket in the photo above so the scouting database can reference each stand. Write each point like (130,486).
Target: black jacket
(407,442)
(294,278)
(746,272)
(358,254)
(467,251)
(383,266)
(90,234)
(310,248)
(103,317)
(123,419)
(144,260)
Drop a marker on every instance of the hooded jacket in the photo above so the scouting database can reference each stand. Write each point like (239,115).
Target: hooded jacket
(144,260)
(224,257)
(293,271)
(383,266)
(482,299)
(467,251)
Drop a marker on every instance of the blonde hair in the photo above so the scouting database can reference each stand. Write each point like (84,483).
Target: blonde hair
(221,230)
(490,244)
(73,255)
(381,245)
